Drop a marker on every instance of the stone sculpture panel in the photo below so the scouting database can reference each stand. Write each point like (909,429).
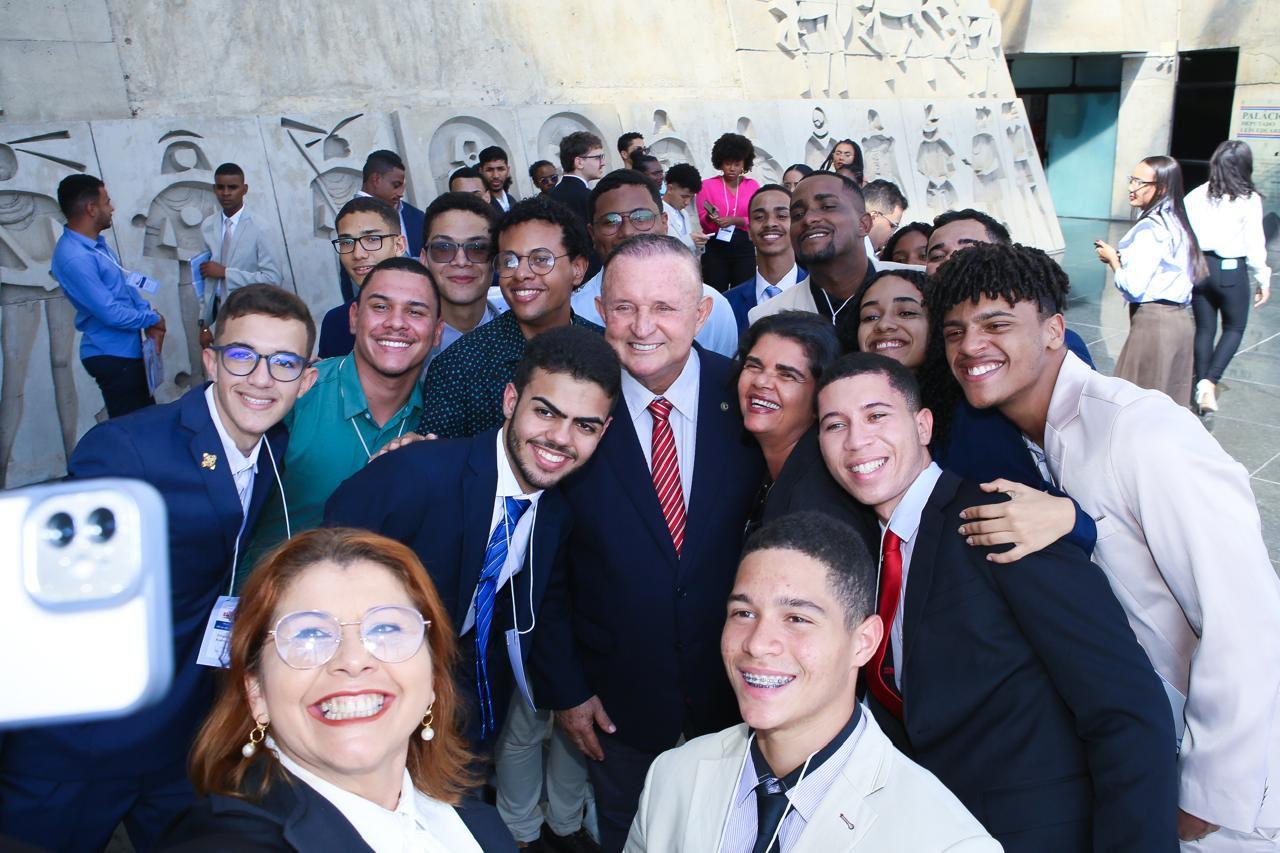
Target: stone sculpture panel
(543,126)
(435,142)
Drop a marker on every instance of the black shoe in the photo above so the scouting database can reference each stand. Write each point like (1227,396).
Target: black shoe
(579,842)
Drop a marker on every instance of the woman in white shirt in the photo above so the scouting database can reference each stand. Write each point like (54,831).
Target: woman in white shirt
(1226,216)
(337,727)
(1155,266)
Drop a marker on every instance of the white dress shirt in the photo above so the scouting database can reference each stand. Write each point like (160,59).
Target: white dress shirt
(784,284)
(1231,228)
(508,487)
(678,226)
(683,397)
(418,824)
(504,201)
(1154,259)
(905,523)
(243,468)
(719,334)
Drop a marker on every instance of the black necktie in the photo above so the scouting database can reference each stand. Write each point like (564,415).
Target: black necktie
(771,804)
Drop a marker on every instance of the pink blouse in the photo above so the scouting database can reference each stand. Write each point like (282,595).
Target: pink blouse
(727,201)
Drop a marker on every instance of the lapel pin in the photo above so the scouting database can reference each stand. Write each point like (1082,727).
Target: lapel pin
(846,820)
(209,461)
(724,407)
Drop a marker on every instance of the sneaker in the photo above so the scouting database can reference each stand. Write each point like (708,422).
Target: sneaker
(1206,396)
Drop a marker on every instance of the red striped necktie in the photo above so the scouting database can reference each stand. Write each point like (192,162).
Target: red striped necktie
(666,471)
(880,680)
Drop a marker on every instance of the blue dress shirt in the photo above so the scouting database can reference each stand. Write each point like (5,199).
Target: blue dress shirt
(109,311)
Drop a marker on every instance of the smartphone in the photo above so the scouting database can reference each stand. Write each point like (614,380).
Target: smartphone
(710,208)
(86,629)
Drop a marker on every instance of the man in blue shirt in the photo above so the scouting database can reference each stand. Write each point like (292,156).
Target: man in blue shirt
(109,311)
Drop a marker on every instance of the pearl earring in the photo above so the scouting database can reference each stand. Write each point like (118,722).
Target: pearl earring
(255,737)
(427,732)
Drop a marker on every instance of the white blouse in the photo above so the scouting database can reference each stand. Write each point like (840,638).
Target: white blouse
(418,824)
(1154,261)
(1231,228)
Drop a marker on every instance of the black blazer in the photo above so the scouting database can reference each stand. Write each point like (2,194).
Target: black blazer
(644,634)
(294,816)
(573,193)
(1026,693)
(804,483)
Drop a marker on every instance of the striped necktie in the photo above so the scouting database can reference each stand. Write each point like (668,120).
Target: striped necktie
(486,592)
(666,471)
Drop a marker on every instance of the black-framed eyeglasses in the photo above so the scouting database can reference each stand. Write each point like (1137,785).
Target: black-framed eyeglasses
(369,242)
(642,219)
(541,262)
(444,251)
(599,156)
(242,360)
(1139,182)
(306,639)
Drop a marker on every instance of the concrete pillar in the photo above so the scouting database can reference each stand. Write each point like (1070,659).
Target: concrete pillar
(1146,117)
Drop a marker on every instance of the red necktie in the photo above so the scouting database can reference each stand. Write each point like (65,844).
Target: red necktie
(879,675)
(666,471)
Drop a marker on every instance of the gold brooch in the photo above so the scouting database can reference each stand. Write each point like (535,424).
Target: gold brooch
(209,461)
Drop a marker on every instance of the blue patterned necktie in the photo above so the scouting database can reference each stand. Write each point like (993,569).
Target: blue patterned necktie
(486,592)
(771,290)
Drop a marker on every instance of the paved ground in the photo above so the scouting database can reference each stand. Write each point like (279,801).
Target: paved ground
(1247,423)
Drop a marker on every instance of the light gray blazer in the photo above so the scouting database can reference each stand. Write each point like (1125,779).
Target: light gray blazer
(1180,540)
(881,802)
(252,259)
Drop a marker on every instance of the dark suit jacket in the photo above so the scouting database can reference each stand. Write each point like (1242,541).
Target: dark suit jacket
(644,633)
(511,199)
(1026,693)
(445,518)
(414,222)
(335,333)
(165,446)
(742,298)
(573,193)
(804,483)
(294,816)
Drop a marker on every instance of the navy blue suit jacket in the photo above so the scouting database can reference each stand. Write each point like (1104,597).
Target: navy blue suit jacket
(445,517)
(335,333)
(742,298)
(165,446)
(1026,693)
(644,632)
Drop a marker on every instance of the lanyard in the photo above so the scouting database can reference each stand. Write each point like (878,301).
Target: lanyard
(725,186)
(835,312)
(352,420)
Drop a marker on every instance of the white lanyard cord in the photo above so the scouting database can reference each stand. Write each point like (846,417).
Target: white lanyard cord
(511,581)
(352,420)
(835,312)
(724,827)
(725,186)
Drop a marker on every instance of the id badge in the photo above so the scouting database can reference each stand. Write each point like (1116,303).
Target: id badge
(142,282)
(726,233)
(215,647)
(517,666)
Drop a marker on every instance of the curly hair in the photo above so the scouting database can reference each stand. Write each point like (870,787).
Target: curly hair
(539,208)
(733,146)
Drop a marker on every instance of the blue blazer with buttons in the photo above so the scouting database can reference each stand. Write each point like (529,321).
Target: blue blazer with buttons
(742,298)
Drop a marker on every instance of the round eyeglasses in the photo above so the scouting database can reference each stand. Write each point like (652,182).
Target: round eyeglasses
(392,633)
(444,251)
(541,262)
(242,360)
(369,242)
(642,219)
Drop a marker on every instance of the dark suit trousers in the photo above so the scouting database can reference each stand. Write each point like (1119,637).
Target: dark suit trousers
(726,264)
(123,382)
(1225,291)
(618,782)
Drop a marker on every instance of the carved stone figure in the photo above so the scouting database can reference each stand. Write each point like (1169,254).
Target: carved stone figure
(1035,215)
(668,146)
(766,169)
(988,173)
(332,187)
(458,142)
(878,155)
(819,32)
(819,144)
(936,160)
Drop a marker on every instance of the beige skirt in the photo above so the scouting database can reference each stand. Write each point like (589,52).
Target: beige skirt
(1159,351)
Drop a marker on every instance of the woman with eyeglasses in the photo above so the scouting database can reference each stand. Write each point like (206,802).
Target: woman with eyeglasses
(729,257)
(1226,216)
(544,175)
(337,726)
(1155,266)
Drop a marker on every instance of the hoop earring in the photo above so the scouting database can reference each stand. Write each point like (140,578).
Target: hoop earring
(427,732)
(255,737)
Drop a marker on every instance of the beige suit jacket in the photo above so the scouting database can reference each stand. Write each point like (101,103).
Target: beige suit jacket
(1180,540)
(797,297)
(881,801)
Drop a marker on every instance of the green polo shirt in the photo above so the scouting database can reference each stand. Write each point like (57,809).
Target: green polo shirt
(326,428)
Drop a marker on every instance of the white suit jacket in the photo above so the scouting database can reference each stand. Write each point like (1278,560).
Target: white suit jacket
(881,802)
(1180,540)
(798,297)
(252,259)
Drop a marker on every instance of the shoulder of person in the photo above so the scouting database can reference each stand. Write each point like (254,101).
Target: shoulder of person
(219,823)
(485,825)
(727,743)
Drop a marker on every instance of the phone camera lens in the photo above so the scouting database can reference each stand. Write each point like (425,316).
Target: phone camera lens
(60,530)
(102,524)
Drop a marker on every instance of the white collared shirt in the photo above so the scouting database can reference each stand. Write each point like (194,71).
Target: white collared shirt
(243,468)
(508,487)
(784,284)
(504,201)
(1231,228)
(232,222)
(905,523)
(683,396)
(1154,261)
(678,226)
(418,824)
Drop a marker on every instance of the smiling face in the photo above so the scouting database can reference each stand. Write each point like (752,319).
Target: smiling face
(359,262)
(230,190)
(652,308)
(791,659)
(948,239)
(911,248)
(553,426)
(495,174)
(352,717)
(842,155)
(462,281)
(539,301)
(827,221)
(395,322)
(770,223)
(775,389)
(892,322)
(622,201)
(873,444)
(388,186)
(250,405)
(1142,192)
(1001,354)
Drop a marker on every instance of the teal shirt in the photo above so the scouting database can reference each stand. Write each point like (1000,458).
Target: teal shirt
(326,426)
